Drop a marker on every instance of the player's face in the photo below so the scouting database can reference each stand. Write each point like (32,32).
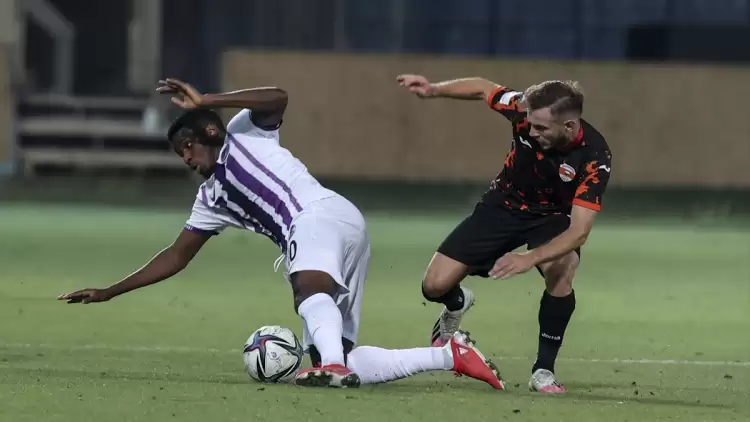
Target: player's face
(548,130)
(201,158)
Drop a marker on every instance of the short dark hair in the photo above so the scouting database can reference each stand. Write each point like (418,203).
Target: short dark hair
(559,96)
(194,123)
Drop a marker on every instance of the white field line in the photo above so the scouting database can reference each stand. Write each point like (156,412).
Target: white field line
(194,350)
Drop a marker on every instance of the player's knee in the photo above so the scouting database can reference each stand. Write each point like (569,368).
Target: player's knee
(309,283)
(558,277)
(430,292)
(434,289)
(434,286)
(442,275)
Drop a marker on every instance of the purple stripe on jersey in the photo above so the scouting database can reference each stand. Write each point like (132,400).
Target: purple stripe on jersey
(255,186)
(252,209)
(221,202)
(203,194)
(265,170)
(204,232)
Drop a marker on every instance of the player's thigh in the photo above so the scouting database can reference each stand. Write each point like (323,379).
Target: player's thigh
(473,247)
(324,245)
(348,299)
(315,259)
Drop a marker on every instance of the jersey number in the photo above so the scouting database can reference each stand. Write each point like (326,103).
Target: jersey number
(292,250)
(292,244)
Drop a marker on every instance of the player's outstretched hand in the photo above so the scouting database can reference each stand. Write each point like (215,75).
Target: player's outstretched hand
(86,296)
(511,264)
(186,97)
(417,84)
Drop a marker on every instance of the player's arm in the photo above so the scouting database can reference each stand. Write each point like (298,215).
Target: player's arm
(499,98)
(581,221)
(267,104)
(204,222)
(461,89)
(586,204)
(165,264)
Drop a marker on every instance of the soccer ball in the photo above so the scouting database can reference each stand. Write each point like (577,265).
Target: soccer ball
(272,354)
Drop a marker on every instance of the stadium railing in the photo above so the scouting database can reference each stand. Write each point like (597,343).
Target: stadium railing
(86,132)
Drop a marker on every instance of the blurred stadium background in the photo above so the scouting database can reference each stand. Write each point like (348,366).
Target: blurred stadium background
(89,189)
(666,82)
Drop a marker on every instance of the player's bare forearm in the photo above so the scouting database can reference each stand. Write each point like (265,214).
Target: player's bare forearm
(464,89)
(165,264)
(581,222)
(566,242)
(259,100)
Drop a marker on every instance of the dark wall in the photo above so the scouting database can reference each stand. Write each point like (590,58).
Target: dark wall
(100,46)
(196,32)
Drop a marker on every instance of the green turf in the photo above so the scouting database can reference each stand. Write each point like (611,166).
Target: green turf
(172,351)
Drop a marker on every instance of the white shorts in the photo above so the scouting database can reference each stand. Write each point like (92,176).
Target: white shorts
(330,235)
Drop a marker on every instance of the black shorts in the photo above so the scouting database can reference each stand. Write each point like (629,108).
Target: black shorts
(492,231)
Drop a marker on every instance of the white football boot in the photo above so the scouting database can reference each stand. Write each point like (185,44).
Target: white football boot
(450,321)
(544,381)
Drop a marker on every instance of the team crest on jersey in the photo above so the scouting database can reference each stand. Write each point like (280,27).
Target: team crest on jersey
(567,172)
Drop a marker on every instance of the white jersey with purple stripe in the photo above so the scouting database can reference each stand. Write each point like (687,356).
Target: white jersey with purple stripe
(257,185)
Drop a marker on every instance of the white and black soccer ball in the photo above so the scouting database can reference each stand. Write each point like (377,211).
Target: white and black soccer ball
(273,354)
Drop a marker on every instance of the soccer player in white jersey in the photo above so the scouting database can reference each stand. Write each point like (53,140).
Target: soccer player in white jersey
(254,183)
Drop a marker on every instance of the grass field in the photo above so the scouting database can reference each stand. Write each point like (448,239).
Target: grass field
(661,331)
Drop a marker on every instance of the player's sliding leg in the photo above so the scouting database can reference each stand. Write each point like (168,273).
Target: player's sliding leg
(441,284)
(313,298)
(375,365)
(556,308)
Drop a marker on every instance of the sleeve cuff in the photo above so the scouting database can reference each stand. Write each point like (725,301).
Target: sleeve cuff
(204,232)
(587,204)
(492,96)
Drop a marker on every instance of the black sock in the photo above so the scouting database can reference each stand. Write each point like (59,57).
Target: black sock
(453,299)
(554,315)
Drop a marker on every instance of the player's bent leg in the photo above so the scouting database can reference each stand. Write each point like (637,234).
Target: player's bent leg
(555,311)
(559,274)
(441,284)
(314,293)
(470,249)
(375,365)
(442,276)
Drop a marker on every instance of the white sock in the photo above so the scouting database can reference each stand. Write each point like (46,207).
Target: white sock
(324,323)
(375,365)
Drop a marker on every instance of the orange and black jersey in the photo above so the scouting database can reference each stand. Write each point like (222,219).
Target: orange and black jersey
(545,182)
